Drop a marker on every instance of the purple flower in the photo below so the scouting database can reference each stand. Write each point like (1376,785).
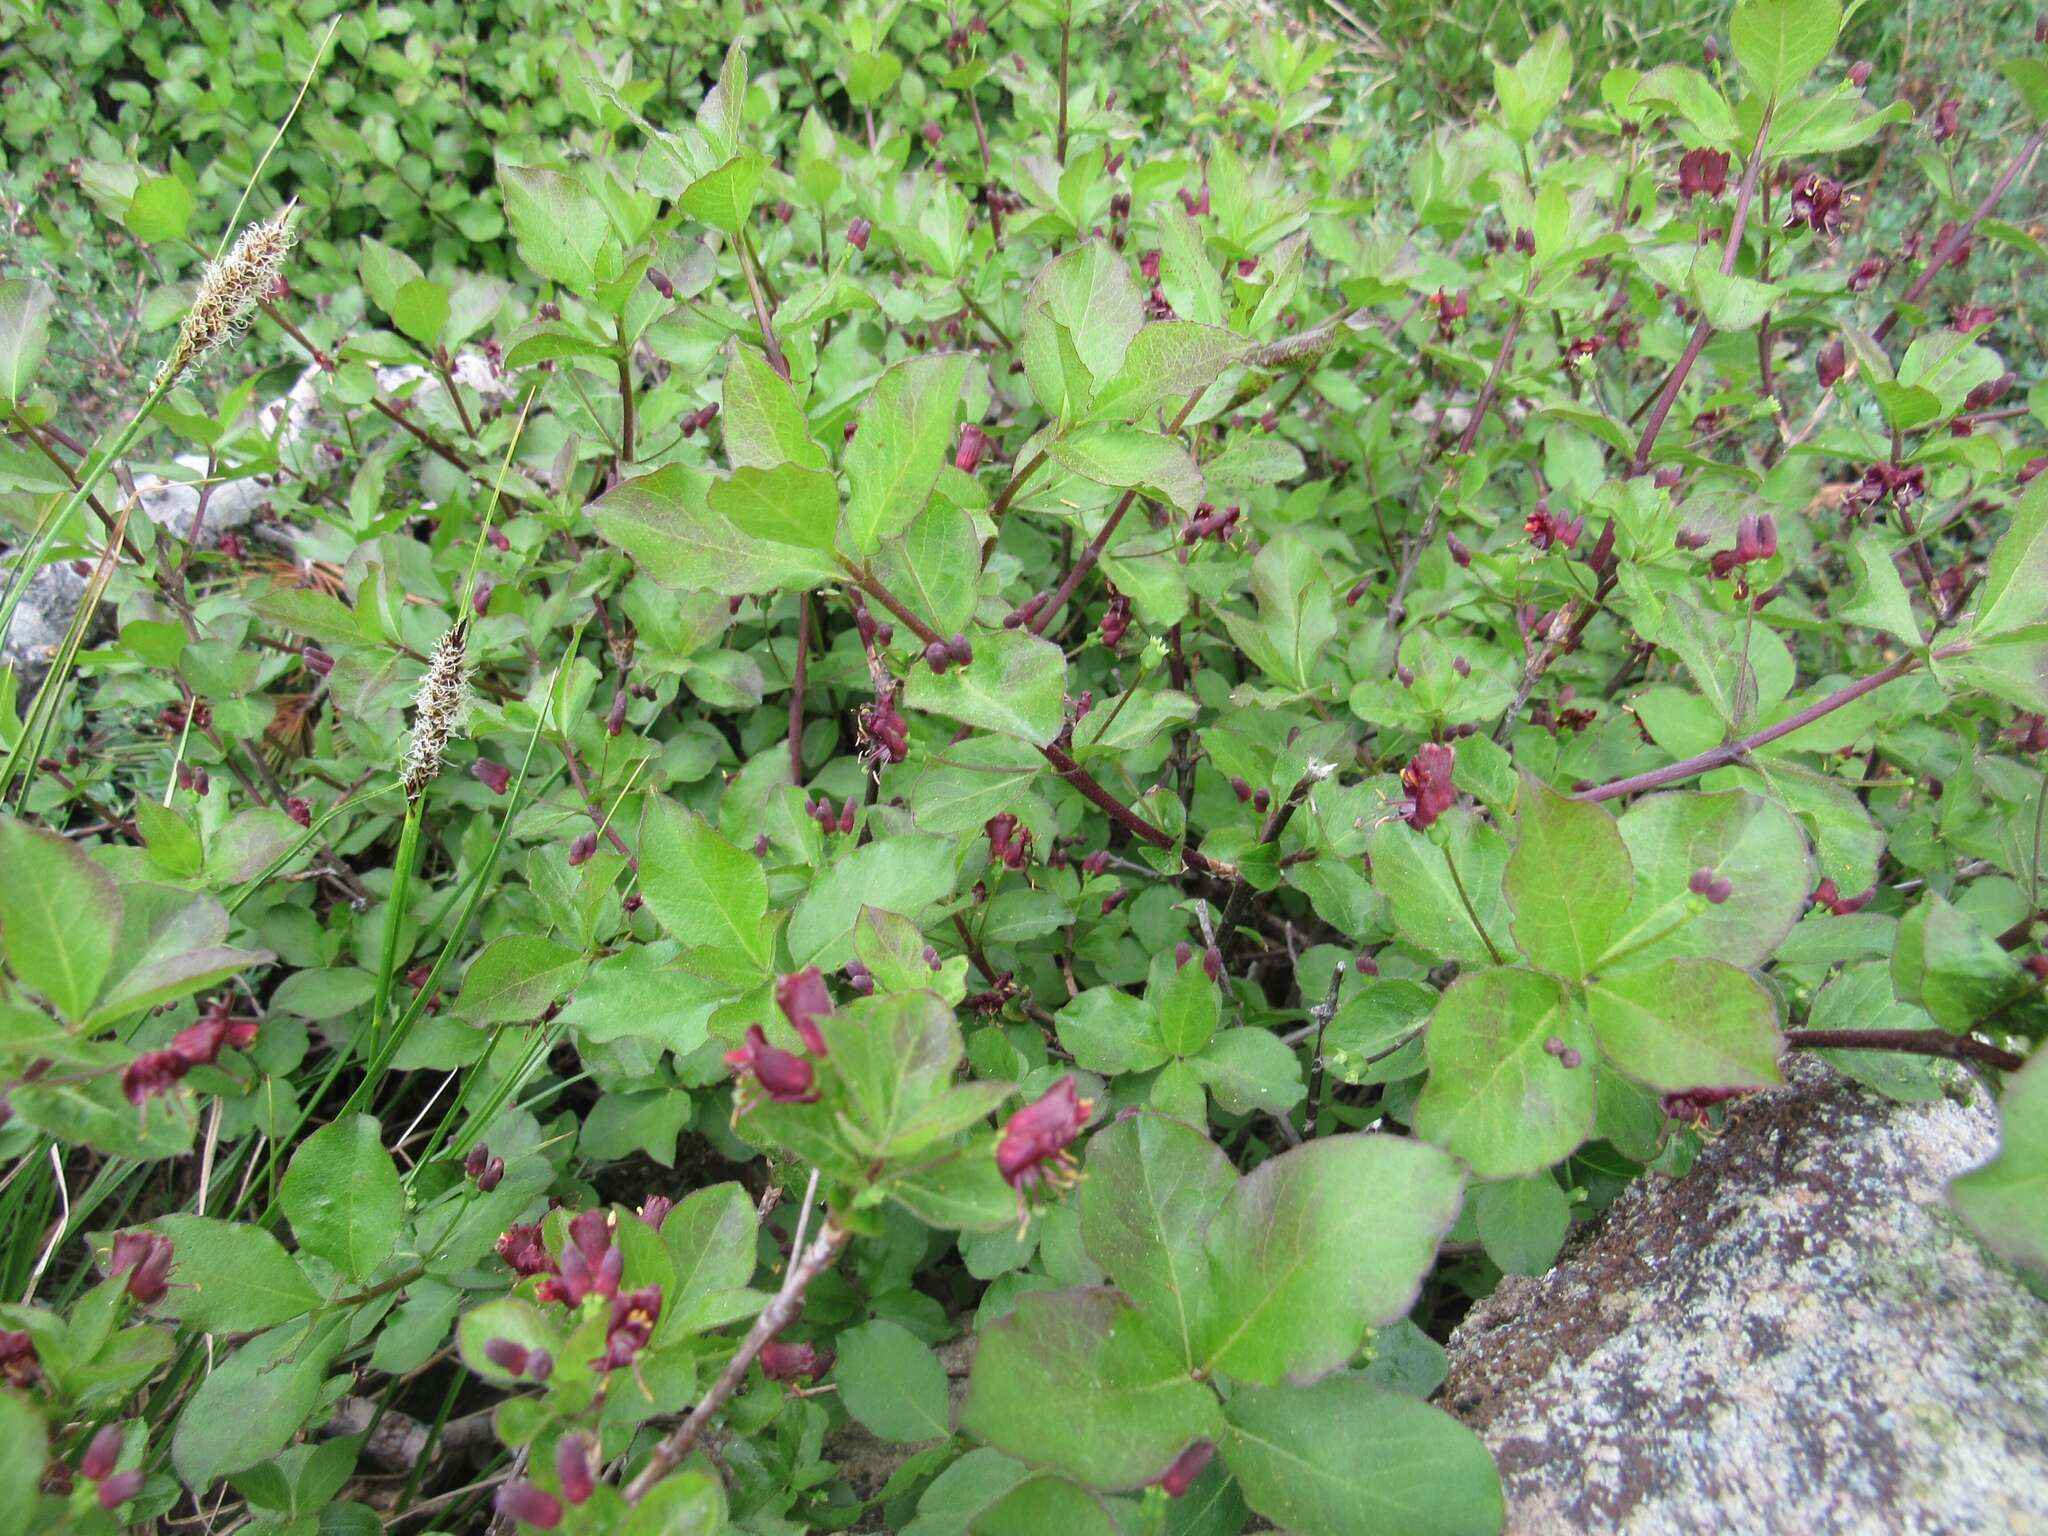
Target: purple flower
(100,1457)
(1830,363)
(521,1247)
(1033,1150)
(857,233)
(1703,173)
(150,1074)
(530,1504)
(803,1000)
(654,1210)
(508,1355)
(120,1488)
(786,1077)
(1428,782)
(19,1366)
(1187,1466)
(786,1362)
(967,457)
(146,1259)
(1817,203)
(573,1469)
(495,777)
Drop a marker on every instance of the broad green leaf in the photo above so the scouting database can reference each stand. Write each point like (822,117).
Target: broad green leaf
(1106,1029)
(960,788)
(25,305)
(421,310)
(1682,89)
(1373,1023)
(1016,686)
(231,1277)
(935,567)
(894,459)
(1415,874)
(2029,78)
(1153,1186)
(1495,1095)
(1346,1458)
(964,1193)
(1313,1246)
(689,1502)
(1082,310)
(24,1457)
(252,1403)
(892,1383)
(1247,1069)
(1534,84)
(94,1114)
(666,523)
(560,227)
(2006,1200)
(1045,1504)
(160,211)
(515,979)
(1077,1381)
(700,887)
(1778,43)
(1297,616)
(787,504)
(59,915)
(1166,362)
(2015,591)
(1730,302)
(761,423)
(1687,1023)
(1522,1222)
(342,1196)
(1880,601)
(1861,997)
(892,1056)
(1569,880)
(904,874)
(1129,458)
(1947,963)
(724,198)
(1754,845)
(711,1241)
(1184,1003)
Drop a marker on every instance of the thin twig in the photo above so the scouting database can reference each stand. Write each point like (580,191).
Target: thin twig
(1920,1042)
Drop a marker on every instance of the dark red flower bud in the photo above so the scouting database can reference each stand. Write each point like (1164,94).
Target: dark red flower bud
(937,657)
(507,1355)
(581,848)
(477,1161)
(19,1366)
(660,283)
(1427,779)
(857,233)
(960,650)
(1240,788)
(1148,265)
(1261,798)
(573,1469)
(1187,1466)
(150,1074)
(967,456)
(1568,1058)
(1358,589)
(299,809)
(1830,363)
(615,721)
(492,1176)
(1120,206)
(1710,49)
(1947,120)
(1859,73)
(803,1000)
(100,1457)
(146,1258)
(1183,952)
(1459,552)
(787,1077)
(1703,173)
(1989,393)
(848,812)
(786,1362)
(495,777)
(120,1488)
(1212,962)
(1033,1149)
(530,1504)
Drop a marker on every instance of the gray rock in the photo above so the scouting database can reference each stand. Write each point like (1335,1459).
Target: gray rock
(1797,1336)
(38,626)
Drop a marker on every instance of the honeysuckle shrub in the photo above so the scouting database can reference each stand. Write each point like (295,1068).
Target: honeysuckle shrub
(914,678)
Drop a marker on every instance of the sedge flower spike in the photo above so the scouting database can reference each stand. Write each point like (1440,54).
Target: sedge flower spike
(229,291)
(438,709)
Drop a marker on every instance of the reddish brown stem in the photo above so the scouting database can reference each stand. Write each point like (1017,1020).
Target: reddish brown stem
(796,688)
(1920,1042)
(1944,249)
(872,585)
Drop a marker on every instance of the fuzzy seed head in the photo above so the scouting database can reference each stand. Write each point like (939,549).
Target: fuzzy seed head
(438,709)
(229,290)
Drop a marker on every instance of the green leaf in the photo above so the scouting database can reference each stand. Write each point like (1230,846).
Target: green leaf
(1778,43)
(725,197)
(1313,1246)
(1346,1458)
(560,226)
(964,1193)
(784,505)
(1153,1186)
(1569,880)
(1297,614)
(903,874)
(2015,591)
(1129,458)
(1080,317)
(1248,1069)
(1105,1029)
(892,1056)
(1522,1222)
(1184,1004)
(761,422)
(935,567)
(24,1456)
(94,1114)
(711,1240)
(1534,84)
(1880,601)
(1687,1023)
(515,979)
(342,1196)
(421,311)
(252,1404)
(1495,1096)
(1731,303)
(1415,875)
(230,1277)
(1947,963)
(666,523)
(1077,1381)
(1045,1504)
(1756,846)
(25,305)
(2029,78)
(160,210)
(2006,1200)
(892,1383)
(1168,361)
(1016,686)
(59,915)
(700,887)
(688,1502)
(1682,89)
(895,458)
